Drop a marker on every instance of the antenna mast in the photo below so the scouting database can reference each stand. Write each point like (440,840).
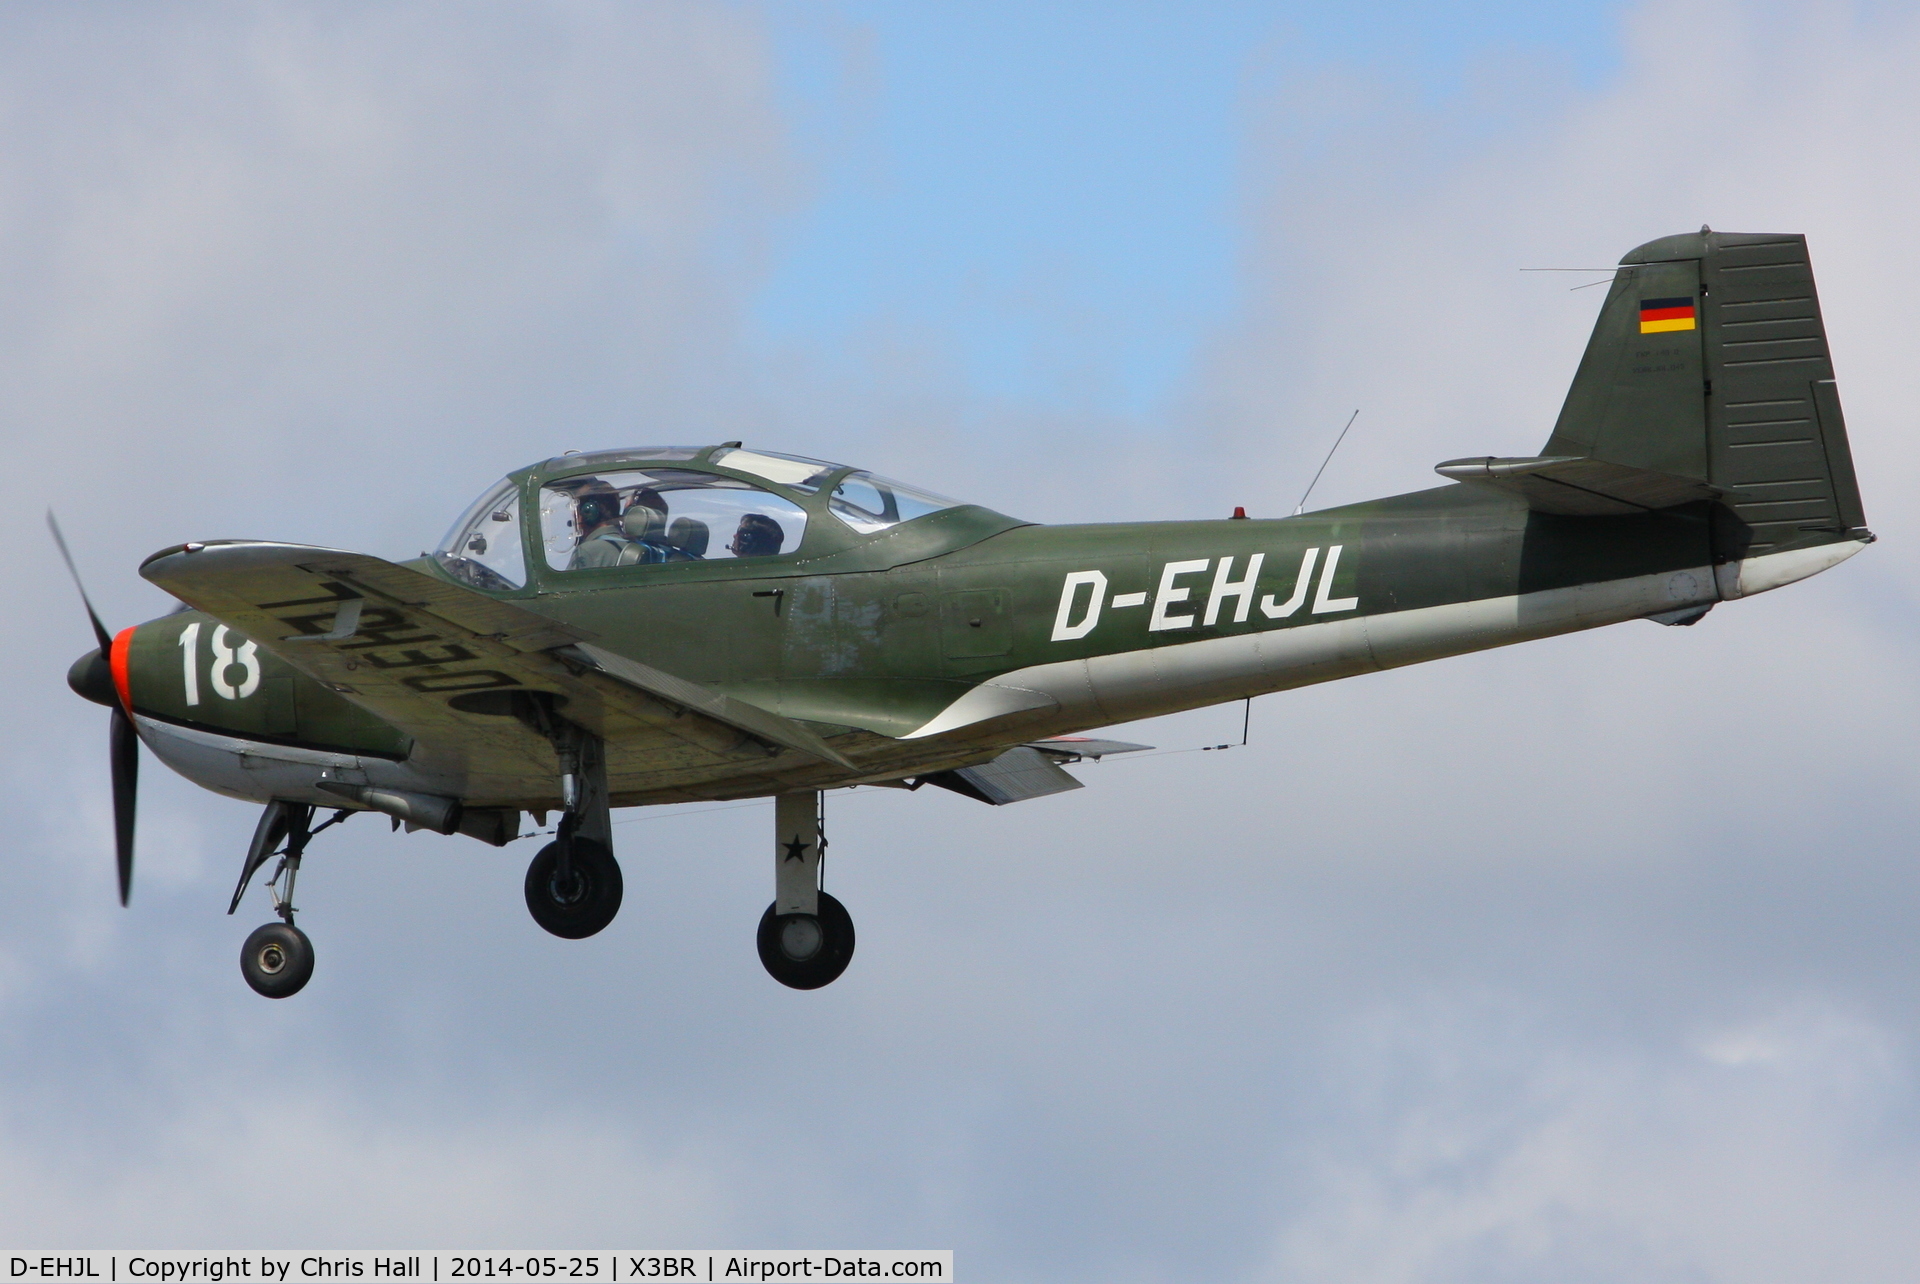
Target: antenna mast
(1302,505)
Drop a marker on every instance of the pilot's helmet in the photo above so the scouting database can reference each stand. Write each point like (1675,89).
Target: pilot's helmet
(594,504)
(758,536)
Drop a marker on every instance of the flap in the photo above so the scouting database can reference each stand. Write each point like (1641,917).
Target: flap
(1074,748)
(1576,487)
(444,663)
(1015,776)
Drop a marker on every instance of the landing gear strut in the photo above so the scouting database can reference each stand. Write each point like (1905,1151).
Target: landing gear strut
(277,960)
(573,886)
(806,936)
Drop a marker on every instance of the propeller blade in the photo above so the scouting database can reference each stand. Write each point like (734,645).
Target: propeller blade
(123,740)
(99,629)
(124,750)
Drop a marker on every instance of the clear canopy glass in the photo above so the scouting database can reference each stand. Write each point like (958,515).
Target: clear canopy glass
(796,472)
(638,517)
(484,547)
(868,502)
(627,515)
(865,501)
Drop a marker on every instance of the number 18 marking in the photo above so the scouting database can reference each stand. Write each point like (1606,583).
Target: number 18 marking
(246,655)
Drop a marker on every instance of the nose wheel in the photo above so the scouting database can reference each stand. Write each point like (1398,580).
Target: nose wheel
(277,960)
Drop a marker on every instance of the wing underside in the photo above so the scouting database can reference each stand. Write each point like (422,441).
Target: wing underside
(469,677)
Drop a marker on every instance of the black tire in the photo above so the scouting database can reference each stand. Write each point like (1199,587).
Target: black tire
(577,907)
(277,960)
(829,934)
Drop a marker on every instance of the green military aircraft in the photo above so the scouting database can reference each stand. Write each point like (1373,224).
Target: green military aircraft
(674,624)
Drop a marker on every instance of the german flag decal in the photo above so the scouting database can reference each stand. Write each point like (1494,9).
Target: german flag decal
(1657,316)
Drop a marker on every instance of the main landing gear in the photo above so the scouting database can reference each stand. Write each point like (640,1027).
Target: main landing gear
(277,960)
(573,886)
(806,936)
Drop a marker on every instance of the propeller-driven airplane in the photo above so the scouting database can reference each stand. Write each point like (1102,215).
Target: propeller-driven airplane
(673,624)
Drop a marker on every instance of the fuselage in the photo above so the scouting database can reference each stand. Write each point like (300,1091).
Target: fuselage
(985,633)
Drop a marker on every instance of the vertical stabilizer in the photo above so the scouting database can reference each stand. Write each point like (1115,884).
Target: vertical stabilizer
(1710,361)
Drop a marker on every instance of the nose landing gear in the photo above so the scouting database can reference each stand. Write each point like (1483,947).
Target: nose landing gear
(806,936)
(277,959)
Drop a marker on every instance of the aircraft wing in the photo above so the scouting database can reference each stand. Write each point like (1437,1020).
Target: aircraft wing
(446,664)
(691,697)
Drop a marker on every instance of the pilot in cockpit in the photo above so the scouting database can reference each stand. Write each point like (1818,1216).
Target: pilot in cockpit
(596,518)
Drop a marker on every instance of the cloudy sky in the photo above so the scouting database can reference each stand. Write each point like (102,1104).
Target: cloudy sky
(1589,960)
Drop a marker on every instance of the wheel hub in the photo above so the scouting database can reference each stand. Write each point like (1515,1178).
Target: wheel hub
(801,937)
(272,960)
(573,887)
(569,888)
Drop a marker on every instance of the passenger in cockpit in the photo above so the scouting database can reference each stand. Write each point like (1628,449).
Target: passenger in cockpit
(758,536)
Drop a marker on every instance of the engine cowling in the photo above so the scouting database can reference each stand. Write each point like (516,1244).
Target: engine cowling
(191,670)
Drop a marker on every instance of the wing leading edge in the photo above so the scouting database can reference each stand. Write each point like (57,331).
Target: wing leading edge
(444,663)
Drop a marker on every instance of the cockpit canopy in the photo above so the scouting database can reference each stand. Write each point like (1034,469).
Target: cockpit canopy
(670,504)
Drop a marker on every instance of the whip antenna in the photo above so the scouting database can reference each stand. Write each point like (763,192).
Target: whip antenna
(1302,505)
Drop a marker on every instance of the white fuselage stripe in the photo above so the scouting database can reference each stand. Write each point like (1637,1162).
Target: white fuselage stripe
(1125,685)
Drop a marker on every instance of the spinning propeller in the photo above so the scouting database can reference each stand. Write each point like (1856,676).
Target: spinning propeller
(93,677)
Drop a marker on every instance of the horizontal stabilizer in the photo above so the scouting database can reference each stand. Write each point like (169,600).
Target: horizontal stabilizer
(1578,487)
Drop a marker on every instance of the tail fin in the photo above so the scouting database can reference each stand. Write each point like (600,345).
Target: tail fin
(1709,361)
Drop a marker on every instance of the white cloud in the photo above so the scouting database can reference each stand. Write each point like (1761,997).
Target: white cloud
(1388,243)
(319,272)
(1752,1156)
(268,1163)
(1676,1141)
